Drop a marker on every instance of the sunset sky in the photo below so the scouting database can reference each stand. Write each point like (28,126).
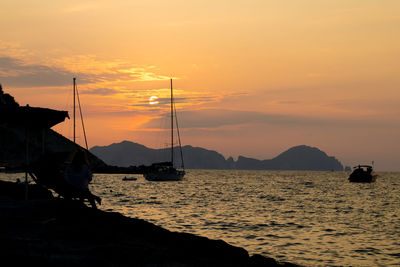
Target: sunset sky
(251,78)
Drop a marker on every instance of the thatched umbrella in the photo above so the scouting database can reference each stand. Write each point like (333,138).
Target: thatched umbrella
(32,119)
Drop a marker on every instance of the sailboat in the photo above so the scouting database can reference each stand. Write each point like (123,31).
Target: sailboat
(165,171)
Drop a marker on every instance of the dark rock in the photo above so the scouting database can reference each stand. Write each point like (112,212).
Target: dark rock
(55,232)
(17,191)
(7,99)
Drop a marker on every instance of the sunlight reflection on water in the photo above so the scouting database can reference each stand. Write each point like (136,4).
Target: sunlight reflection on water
(309,218)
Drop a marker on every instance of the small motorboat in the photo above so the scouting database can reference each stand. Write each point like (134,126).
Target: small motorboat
(129,179)
(362,174)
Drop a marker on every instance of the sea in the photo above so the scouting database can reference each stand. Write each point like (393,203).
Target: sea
(305,217)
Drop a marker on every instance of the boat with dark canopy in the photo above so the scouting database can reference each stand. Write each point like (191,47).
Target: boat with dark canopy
(362,174)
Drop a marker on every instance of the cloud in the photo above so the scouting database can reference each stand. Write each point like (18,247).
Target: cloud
(15,72)
(165,101)
(100,91)
(142,74)
(109,70)
(20,71)
(13,50)
(211,119)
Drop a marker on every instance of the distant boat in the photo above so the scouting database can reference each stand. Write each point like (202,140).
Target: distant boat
(362,174)
(165,171)
(129,179)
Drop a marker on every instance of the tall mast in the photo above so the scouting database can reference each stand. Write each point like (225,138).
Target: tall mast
(172,128)
(179,137)
(74,109)
(80,112)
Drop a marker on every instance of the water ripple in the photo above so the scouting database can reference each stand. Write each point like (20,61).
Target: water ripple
(309,218)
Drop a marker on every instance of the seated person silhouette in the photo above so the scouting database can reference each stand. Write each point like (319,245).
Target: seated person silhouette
(78,176)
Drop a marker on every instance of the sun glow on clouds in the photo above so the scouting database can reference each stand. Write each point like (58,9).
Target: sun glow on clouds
(153,100)
(104,83)
(142,74)
(12,49)
(109,70)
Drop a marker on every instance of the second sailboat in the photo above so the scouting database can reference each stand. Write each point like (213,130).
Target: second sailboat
(165,171)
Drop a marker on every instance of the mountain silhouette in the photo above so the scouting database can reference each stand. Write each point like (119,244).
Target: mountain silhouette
(301,157)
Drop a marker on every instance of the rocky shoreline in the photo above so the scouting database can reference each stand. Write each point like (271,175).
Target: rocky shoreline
(53,232)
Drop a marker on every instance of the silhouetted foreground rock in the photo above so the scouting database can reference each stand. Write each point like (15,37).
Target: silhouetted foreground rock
(53,232)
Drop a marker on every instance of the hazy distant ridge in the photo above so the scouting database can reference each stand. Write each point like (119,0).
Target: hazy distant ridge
(302,157)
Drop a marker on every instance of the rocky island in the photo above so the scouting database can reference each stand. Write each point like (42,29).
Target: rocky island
(126,153)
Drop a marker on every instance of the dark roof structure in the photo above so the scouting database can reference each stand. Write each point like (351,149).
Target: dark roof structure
(31,117)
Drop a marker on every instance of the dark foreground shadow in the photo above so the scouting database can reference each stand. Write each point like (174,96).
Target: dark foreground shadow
(54,232)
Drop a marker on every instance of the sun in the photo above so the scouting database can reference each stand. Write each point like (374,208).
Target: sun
(153,100)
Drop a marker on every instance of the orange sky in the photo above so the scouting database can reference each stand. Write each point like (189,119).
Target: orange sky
(251,78)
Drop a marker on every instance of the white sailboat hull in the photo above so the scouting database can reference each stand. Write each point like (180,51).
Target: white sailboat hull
(175,175)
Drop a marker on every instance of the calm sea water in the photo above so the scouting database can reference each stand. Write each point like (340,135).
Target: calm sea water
(308,218)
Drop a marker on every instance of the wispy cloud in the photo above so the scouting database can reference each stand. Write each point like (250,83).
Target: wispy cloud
(165,101)
(13,50)
(15,72)
(109,70)
(114,79)
(208,119)
(100,91)
(143,74)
